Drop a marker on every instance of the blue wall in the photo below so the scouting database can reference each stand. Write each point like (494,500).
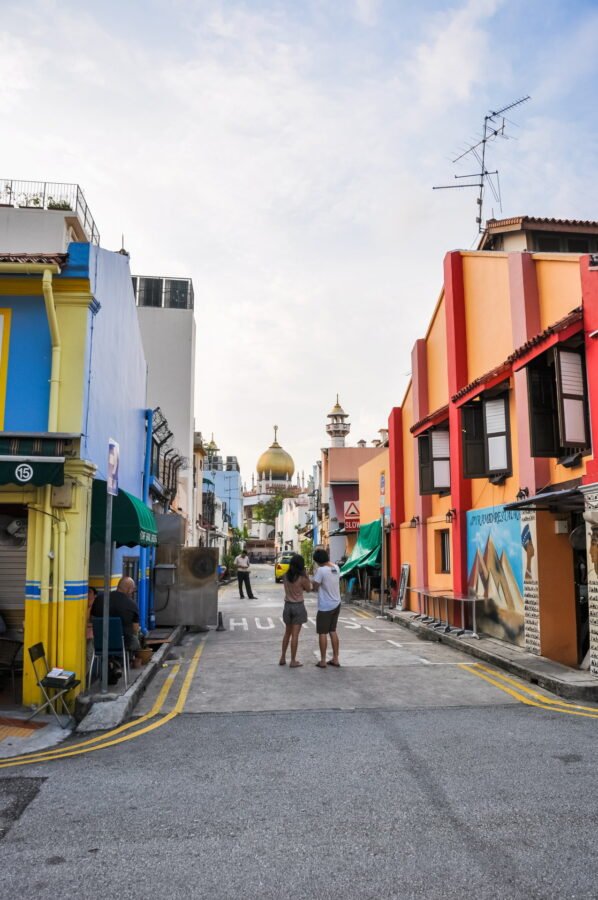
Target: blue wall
(114,404)
(29,361)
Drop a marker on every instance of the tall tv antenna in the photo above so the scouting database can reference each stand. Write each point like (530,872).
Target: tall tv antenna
(494,127)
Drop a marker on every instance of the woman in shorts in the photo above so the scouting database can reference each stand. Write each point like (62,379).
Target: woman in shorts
(294,614)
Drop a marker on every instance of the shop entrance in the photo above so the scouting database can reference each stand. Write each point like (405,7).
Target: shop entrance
(578,541)
(13,567)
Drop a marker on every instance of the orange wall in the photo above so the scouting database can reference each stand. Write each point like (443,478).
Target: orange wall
(435,578)
(369,487)
(559,285)
(436,360)
(408,451)
(408,555)
(486,286)
(558,628)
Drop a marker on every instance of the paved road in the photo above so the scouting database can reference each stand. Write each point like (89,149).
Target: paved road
(401,775)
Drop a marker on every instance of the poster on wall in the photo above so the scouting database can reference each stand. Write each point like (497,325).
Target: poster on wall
(496,562)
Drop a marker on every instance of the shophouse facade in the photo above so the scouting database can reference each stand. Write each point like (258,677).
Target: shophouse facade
(72,376)
(493,483)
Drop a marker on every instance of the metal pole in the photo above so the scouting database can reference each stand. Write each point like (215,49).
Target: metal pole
(382,563)
(107,585)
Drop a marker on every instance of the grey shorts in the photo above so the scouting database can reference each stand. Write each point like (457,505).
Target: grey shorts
(294,613)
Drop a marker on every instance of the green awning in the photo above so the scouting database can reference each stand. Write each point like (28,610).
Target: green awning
(367,550)
(133,523)
(29,471)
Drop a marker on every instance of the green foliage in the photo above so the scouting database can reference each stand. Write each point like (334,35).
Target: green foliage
(267,512)
(307,552)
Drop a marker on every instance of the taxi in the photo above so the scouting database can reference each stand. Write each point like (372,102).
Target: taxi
(281,565)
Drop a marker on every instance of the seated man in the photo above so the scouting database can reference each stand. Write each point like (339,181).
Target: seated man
(125,608)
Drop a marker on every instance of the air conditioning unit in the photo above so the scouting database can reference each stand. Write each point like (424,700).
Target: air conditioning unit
(190,594)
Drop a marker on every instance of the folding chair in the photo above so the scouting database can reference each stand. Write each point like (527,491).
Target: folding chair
(47,683)
(116,644)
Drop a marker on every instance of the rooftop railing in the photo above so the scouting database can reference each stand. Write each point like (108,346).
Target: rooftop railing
(49,195)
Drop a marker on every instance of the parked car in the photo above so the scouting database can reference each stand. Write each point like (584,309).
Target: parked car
(281,565)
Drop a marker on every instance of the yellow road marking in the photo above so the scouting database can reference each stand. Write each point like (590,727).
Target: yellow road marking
(41,755)
(363,614)
(102,741)
(521,697)
(553,701)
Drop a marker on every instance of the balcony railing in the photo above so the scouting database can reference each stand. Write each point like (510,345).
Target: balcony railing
(49,195)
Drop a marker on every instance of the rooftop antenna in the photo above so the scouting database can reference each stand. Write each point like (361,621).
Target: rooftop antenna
(494,127)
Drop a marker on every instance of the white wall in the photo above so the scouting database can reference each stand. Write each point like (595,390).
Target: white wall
(36,230)
(169,342)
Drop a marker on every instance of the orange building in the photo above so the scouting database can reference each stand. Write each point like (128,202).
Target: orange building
(493,483)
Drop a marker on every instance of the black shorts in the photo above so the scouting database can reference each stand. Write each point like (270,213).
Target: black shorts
(326,621)
(294,613)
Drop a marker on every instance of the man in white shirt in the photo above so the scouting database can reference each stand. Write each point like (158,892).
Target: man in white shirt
(243,565)
(326,581)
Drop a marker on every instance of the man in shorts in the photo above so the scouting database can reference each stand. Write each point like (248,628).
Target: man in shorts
(326,581)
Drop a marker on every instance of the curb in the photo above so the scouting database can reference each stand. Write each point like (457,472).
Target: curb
(549,681)
(109,710)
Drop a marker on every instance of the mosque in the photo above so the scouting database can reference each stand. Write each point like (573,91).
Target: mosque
(274,475)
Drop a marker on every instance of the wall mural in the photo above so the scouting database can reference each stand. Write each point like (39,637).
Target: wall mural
(500,562)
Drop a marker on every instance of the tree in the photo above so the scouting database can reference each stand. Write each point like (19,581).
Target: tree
(267,512)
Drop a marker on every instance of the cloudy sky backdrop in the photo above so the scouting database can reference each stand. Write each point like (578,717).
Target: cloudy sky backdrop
(282,154)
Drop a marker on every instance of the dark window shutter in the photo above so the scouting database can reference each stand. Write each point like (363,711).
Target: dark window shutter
(541,388)
(472,424)
(426,480)
(571,399)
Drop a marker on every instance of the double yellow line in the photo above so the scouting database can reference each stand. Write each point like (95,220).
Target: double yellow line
(116,736)
(362,614)
(528,695)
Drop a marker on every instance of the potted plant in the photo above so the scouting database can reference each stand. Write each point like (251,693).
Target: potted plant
(145,653)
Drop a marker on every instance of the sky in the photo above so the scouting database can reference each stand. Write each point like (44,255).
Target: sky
(282,154)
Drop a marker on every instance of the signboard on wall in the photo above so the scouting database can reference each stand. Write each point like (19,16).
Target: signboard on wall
(403,582)
(352,517)
(113,456)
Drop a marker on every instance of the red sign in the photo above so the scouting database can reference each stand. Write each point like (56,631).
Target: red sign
(352,515)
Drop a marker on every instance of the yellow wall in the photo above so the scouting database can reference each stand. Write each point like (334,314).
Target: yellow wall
(486,287)
(369,487)
(409,555)
(72,311)
(436,360)
(559,286)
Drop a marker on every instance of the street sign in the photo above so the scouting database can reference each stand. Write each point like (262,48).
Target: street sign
(352,517)
(112,478)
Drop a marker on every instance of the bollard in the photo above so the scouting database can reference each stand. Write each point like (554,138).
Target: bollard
(220,623)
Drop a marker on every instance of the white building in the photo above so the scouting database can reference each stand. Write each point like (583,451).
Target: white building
(294,515)
(166,319)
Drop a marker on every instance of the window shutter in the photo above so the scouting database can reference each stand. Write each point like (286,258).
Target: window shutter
(440,460)
(543,426)
(571,396)
(426,480)
(495,415)
(472,425)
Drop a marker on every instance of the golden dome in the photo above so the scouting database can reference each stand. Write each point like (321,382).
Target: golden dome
(277,461)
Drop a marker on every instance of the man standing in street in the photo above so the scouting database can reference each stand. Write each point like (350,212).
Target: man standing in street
(243,565)
(326,581)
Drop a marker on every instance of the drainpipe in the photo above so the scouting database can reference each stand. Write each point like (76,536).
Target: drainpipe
(144,611)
